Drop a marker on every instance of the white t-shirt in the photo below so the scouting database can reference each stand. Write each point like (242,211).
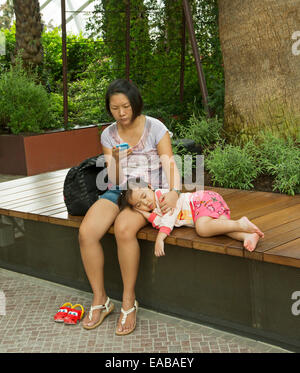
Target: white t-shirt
(144,160)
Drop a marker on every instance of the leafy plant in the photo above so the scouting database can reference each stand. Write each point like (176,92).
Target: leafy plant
(24,105)
(281,158)
(204,131)
(232,166)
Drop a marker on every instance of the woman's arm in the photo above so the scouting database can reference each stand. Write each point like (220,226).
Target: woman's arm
(165,152)
(113,157)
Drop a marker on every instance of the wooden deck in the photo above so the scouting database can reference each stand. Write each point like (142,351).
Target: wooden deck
(40,198)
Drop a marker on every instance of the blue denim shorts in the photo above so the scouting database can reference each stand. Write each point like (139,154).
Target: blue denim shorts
(112,194)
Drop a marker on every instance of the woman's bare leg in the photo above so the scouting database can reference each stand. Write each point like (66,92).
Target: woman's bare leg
(127,224)
(95,224)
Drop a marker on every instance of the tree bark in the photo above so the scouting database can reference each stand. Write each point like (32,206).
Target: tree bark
(262,71)
(28,32)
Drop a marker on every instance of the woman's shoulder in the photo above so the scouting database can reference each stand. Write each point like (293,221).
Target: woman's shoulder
(109,129)
(154,121)
(158,128)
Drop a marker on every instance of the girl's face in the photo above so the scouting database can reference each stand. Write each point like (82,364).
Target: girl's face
(120,108)
(143,199)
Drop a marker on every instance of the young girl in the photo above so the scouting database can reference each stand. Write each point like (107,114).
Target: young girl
(205,210)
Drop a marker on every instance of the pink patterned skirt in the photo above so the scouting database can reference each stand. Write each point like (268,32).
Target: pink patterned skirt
(208,203)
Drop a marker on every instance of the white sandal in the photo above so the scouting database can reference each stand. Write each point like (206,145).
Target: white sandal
(125,314)
(108,306)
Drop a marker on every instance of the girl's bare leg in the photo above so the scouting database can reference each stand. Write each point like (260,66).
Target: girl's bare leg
(250,238)
(127,224)
(207,226)
(95,224)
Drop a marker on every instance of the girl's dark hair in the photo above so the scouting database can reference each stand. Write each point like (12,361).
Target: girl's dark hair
(130,91)
(125,195)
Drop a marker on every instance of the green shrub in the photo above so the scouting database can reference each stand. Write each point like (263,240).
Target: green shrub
(204,131)
(232,166)
(57,110)
(24,105)
(281,159)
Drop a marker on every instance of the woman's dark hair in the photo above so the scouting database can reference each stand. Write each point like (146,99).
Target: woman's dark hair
(131,184)
(130,91)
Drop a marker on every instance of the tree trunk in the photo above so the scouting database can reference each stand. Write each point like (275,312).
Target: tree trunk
(262,70)
(28,32)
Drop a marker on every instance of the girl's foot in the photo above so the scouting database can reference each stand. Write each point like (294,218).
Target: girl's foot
(250,241)
(249,227)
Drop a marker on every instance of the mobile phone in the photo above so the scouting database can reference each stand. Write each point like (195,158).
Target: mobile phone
(123,146)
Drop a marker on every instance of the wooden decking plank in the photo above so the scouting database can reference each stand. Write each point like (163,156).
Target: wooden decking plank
(34,186)
(7,199)
(39,203)
(32,179)
(46,209)
(18,202)
(279,235)
(277,218)
(287,254)
(263,209)
(254,201)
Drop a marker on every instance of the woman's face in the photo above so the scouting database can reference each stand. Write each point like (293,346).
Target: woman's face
(120,108)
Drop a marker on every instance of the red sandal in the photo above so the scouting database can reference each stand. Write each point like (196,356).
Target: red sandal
(62,312)
(74,315)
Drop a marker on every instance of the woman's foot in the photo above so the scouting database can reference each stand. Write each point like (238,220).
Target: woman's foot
(92,319)
(248,227)
(250,241)
(130,319)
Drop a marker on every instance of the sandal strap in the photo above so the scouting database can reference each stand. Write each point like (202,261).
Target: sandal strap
(126,313)
(99,307)
(82,309)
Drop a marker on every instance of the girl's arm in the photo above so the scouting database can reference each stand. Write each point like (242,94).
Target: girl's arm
(164,149)
(159,244)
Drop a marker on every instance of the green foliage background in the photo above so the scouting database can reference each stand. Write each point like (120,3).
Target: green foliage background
(155,55)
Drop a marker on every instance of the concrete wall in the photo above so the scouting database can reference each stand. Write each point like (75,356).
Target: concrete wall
(240,295)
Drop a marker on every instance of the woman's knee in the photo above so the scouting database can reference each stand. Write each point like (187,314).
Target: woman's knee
(87,234)
(124,230)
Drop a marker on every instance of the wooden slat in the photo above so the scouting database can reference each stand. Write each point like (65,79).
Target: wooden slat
(7,198)
(33,187)
(18,202)
(278,217)
(287,254)
(258,210)
(6,185)
(39,203)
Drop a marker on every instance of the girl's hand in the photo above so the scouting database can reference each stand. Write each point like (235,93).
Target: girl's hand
(167,202)
(159,248)
(146,214)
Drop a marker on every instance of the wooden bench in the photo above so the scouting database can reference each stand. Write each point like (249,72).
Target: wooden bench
(237,290)
(40,198)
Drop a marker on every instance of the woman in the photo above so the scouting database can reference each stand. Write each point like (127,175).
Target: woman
(149,142)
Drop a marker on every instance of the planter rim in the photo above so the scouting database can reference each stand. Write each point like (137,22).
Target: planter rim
(22,134)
